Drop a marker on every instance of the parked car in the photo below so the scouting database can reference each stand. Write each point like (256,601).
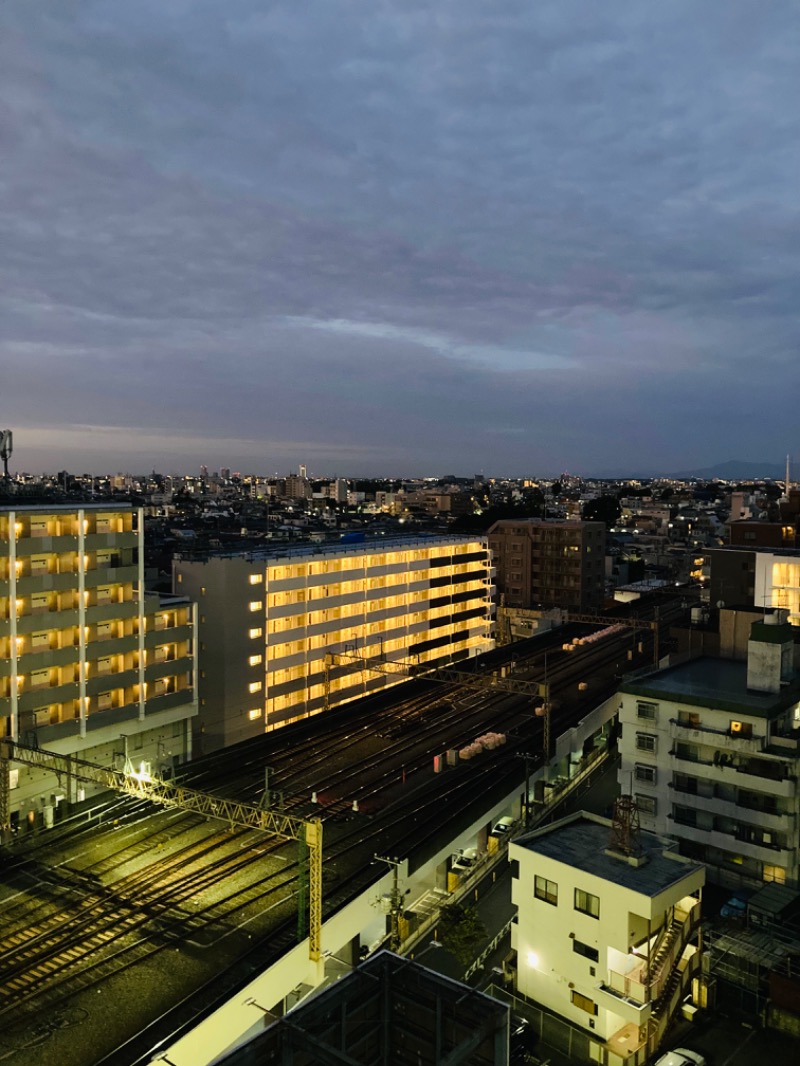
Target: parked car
(502,827)
(465,859)
(681,1056)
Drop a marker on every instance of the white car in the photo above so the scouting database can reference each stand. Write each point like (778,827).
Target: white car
(681,1056)
(503,827)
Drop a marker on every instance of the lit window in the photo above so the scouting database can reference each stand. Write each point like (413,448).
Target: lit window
(586,903)
(254,660)
(254,715)
(545,890)
(256,579)
(256,605)
(253,633)
(254,686)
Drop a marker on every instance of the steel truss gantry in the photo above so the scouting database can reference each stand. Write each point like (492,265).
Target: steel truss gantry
(170,794)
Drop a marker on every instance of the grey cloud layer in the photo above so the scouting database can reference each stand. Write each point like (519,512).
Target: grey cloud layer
(405,235)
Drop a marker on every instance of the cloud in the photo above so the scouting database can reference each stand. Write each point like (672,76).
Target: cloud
(403,234)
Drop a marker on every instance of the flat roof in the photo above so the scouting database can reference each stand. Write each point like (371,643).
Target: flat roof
(582,841)
(337,547)
(719,684)
(54,508)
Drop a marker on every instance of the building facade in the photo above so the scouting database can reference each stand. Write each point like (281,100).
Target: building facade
(270,621)
(549,564)
(711,750)
(607,939)
(89,662)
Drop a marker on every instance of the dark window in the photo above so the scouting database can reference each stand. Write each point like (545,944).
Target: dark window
(586,950)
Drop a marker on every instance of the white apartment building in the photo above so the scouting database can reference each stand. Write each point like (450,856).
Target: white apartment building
(711,750)
(89,662)
(269,623)
(606,939)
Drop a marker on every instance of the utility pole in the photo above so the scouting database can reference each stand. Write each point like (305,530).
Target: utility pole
(396,901)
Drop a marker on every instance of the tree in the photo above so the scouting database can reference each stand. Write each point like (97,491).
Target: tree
(461,931)
(604,509)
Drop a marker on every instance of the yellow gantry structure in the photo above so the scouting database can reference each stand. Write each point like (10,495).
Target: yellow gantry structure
(170,794)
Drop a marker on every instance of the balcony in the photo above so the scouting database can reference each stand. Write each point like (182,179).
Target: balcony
(720,739)
(733,775)
(766,819)
(727,841)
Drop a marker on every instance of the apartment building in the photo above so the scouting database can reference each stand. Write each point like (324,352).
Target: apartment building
(711,750)
(270,621)
(89,662)
(549,564)
(607,933)
(760,577)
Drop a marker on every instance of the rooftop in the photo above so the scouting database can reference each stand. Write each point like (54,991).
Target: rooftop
(583,840)
(719,684)
(360,546)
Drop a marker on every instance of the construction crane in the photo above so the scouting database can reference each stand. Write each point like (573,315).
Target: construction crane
(142,784)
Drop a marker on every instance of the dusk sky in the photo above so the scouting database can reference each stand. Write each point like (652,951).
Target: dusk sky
(399,237)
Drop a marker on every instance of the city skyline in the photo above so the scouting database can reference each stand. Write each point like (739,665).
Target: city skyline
(399,241)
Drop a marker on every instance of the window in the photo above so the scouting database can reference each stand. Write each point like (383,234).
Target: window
(545,890)
(256,579)
(253,633)
(646,712)
(586,950)
(255,605)
(254,686)
(645,774)
(741,729)
(688,720)
(586,903)
(646,804)
(583,1002)
(254,660)
(646,742)
(254,715)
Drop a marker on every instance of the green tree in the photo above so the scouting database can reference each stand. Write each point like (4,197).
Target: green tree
(604,509)
(461,931)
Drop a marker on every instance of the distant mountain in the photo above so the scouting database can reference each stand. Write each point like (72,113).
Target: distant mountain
(736,470)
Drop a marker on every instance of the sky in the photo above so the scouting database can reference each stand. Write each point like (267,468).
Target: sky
(401,238)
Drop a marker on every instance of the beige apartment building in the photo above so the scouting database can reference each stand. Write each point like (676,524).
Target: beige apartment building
(91,665)
(549,564)
(283,632)
(710,748)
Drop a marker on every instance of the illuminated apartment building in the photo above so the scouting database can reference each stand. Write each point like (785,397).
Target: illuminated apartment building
(269,619)
(89,662)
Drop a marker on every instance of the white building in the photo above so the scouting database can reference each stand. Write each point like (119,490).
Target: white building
(711,750)
(607,940)
(87,657)
(270,621)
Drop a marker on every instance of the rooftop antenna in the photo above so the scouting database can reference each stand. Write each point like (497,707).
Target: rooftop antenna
(788,482)
(6,448)
(625,826)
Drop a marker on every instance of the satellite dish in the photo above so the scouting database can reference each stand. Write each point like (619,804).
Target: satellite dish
(720,604)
